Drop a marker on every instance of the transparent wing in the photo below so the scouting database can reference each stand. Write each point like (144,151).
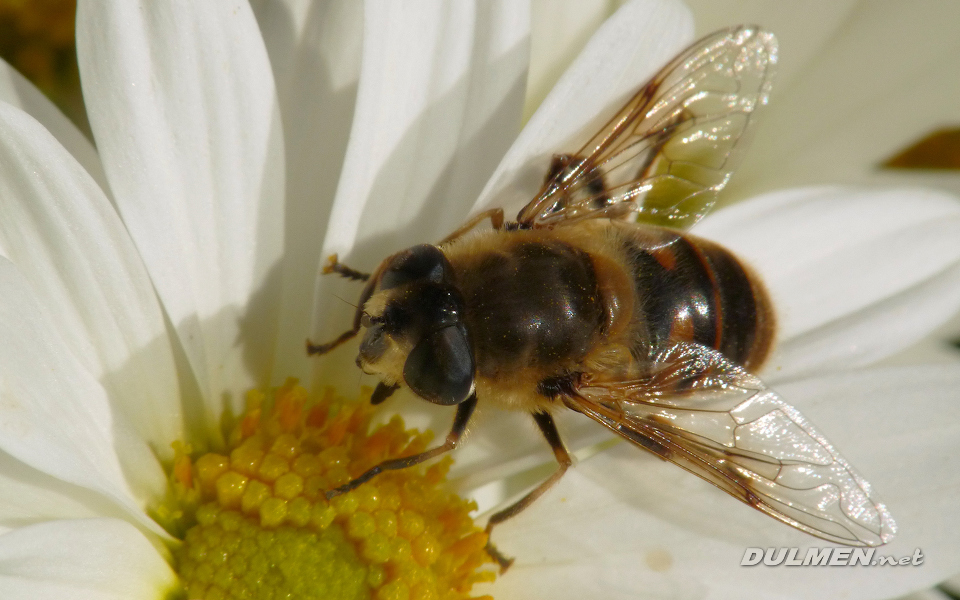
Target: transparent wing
(709,416)
(669,151)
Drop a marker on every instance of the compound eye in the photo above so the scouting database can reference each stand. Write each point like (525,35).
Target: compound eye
(441,367)
(419,263)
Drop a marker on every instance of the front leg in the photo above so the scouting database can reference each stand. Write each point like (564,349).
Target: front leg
(335,266)
(464,412)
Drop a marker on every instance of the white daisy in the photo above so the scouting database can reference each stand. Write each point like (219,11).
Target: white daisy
(193,149)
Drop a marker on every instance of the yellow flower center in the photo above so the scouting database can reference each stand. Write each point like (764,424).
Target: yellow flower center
(255,522)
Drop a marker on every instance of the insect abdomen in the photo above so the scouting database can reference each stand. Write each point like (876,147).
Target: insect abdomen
(689,289)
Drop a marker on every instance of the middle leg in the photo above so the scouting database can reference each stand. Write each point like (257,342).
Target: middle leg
(549,430)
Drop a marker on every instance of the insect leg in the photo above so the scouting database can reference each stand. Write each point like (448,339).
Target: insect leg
(549,430)
(464,412)
(382,392)
(324,348)
(496,220)
(335,266)
(357,316)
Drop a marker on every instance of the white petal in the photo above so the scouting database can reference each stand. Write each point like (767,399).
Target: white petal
(66,239)
(54,416)
(15,89)
(440,99)
(95,559)
(888,76)
(559,31)
(29,496)
(637,527)
(314,49)
(627,50)
(855,275)
(182,103)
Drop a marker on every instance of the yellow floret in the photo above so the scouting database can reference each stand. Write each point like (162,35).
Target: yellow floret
(262,526)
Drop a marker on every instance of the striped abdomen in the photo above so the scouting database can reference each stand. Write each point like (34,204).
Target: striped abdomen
(689,289)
